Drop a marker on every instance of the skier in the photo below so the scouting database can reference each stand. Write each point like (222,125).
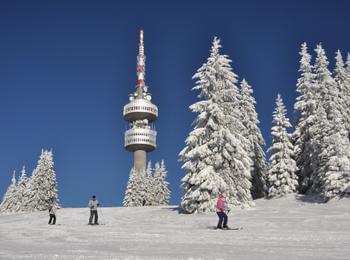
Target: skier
(221,210)
(52,213)
(93,204)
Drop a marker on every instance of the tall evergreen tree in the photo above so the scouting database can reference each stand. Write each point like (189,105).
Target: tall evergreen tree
(150,189)
(134,195)
(9,200)
(215,157)
(332,177)
(347,83)
(342,80)
(347,70)
(347,67)
(256,141)
(306,112)
(42,187)
(329,92)
(22,190)
(160,184)
(330,126)
(282,179)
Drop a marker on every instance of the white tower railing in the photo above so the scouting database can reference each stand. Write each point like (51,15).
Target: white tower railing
(139,109)
(140,138)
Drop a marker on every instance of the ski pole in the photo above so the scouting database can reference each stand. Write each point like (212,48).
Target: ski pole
(103,218)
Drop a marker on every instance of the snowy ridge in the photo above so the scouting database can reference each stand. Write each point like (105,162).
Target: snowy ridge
(286,228)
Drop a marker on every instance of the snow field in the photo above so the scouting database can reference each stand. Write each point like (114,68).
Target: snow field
(287,228)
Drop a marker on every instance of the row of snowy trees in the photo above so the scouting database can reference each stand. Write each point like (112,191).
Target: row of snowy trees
(224,152)
(38,192)
(315,158)
(321,135)
(147,188)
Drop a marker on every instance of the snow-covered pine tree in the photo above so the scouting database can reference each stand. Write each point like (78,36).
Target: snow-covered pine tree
(332,177)
(342,80)
(201,190)
(22,191)
(331,164)
(347,82)
(330,126)
(149,169)
(160,184)
(164,187)
(306,113)
(347,68)
(9,200)
(42,187)
(156,183)
(335,174)
(256,141)
(282,179)
(329,92)
(215,156)
(150,193)
(134,196)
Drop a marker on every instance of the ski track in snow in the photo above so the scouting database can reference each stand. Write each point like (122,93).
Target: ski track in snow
(287,228)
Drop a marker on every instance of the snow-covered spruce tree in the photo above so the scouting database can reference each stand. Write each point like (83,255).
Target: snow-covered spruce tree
(134,195)
(331,123)
(156,182)
(330,96)
(335,174)
(9,200)
(160,184)
(42,187)
(347,70)
(22,191)
(332,178)
(282,179)
(164,187)
(347,67)
(256,141)
(347,82)
(306,112)
(215,156)
(150,193)
(342,80)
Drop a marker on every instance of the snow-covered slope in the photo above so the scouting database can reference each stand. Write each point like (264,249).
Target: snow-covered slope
(288,228)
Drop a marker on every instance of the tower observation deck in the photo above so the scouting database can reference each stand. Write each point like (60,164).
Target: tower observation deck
(140,112)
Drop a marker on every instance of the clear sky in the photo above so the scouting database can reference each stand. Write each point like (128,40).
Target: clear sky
(67,67)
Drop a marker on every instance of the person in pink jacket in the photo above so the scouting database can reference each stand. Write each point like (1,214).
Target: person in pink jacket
(221,210)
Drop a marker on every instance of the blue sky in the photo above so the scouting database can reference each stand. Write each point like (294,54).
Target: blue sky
(67,67)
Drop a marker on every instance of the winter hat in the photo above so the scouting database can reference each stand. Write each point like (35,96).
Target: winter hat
(93,196)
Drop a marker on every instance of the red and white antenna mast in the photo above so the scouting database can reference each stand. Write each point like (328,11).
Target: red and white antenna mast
(141,61)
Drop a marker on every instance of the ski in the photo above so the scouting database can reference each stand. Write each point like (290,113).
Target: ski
(234,228)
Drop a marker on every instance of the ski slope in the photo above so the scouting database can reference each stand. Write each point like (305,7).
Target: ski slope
(288,228)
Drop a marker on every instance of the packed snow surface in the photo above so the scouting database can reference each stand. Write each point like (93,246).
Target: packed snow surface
(287,228)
